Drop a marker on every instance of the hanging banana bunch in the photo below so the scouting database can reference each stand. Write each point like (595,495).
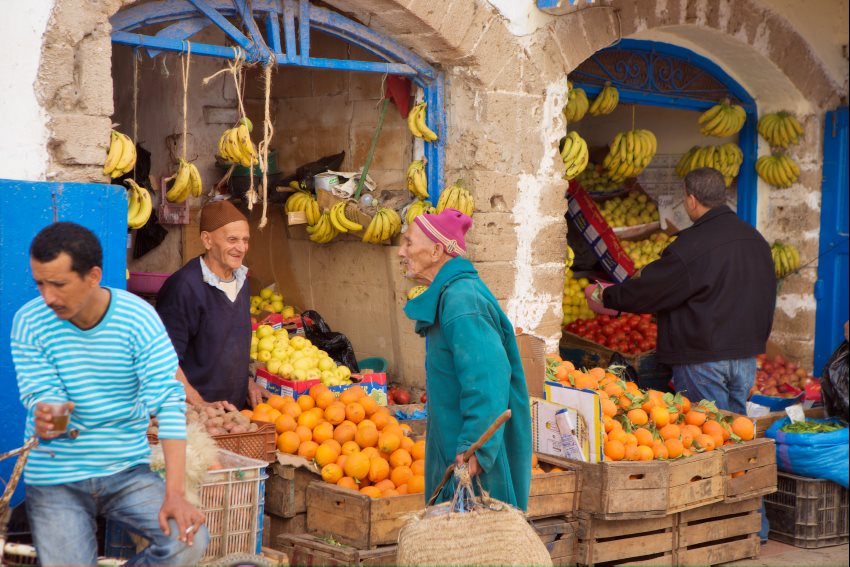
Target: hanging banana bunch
(416,208)
(235,145)
(187,181)
(139,205)
(778,169)
(574,154)
(577,104)
(340,222)
(606,101)
(786,259)
(722,120)
(629,154)
(416,123)
(726,159)
(456,197)
(417,180)
(121,156)
(780,129)
(385,224)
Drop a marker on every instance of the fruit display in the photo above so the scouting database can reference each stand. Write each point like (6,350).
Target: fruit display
(219,421)
(642,252)
(323,231)
(272,302)
(605,102)
(786,259)
(417,180)
(385,224)
(577,104)
(726,159)
(139,205)
(235,145)
(629,154)
(594,179)
(538,467)
(304,202)
(574,302)
(340,222)
(295,358)
(416,291)
(187,181)
(811,426)
(399,395)
(722,120)
(633,209)
(778,377)
(416,123)
(121,155)
(456,197)
(780,129)
(778,169)
(651,425)
(628,334)
(416,208)
(356,443)
(574,154)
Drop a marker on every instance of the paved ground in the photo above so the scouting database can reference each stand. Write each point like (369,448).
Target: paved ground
(776,554)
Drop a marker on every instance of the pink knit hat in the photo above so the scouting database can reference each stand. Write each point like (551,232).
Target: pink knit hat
(447,228)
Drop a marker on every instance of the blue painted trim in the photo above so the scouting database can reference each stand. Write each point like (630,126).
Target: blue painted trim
(258,49)
(345,65)
(832,284)
(181,30)
(273,33)
(219,20)
(304,15)
(747,182)
(173,45)
(435,152)
(289,33)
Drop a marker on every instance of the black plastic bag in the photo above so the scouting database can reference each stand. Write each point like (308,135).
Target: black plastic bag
(630,374)
(335,344)
(305,173)
(834,384)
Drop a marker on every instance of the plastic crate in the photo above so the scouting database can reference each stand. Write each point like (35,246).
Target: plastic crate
(807,512)
(232,500)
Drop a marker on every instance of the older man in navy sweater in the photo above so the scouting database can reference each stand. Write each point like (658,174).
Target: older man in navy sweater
(206,310)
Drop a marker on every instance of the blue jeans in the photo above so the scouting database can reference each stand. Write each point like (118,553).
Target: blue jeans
(62,518)
(727,383)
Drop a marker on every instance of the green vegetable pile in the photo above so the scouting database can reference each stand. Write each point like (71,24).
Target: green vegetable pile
(811,427)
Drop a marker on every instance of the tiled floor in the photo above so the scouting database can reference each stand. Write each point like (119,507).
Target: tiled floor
(776,554)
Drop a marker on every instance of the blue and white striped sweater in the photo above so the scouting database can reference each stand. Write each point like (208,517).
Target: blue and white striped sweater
(117,374)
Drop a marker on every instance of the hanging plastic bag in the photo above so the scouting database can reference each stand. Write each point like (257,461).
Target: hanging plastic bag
(335,344)
(813,455)
(835,389)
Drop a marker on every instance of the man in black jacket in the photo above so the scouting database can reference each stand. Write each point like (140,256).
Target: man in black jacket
(714,293)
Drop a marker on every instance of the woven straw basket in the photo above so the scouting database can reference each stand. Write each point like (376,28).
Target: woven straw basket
(491,535)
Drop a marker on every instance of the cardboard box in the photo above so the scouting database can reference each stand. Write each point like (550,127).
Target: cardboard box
(375,385)
(532,352)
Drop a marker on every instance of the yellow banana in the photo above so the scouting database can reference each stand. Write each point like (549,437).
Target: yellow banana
(411,121)
(180,190)
(128,157)
(427,134)
(113,154)
(196,184)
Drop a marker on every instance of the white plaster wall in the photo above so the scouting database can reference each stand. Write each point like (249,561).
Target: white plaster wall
(523,16)
(23,155)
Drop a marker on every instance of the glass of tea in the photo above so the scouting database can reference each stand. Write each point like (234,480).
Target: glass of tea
(61,416)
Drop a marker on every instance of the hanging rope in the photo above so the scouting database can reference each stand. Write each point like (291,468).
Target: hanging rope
(184,68)
(268,132)
(634,106)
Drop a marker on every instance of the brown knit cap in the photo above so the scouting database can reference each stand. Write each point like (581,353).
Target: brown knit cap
(219,213)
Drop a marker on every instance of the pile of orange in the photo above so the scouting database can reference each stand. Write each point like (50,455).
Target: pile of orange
(647,425)
(542,468)
(357,443)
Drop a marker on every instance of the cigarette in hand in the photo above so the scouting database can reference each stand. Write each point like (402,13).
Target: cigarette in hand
(189,530)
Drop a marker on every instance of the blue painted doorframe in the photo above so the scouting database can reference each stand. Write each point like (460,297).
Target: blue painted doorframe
(25,208)
(664,88)
(178,21)
(831,288)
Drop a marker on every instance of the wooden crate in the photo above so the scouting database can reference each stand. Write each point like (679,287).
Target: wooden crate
(558,534)
(749,469)
(355,519)
(309,550)
(274,525)
(695,481)
(647,541)
(286,490)
(553,493)
(647,489)
(718,533)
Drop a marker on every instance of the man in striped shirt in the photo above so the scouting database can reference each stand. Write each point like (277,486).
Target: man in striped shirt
(104,353)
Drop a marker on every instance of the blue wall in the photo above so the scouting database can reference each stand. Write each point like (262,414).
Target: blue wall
(25,208)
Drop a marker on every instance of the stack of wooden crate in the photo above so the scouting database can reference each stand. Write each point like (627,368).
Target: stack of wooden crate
(700,510)
(286,501)
(552,505)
